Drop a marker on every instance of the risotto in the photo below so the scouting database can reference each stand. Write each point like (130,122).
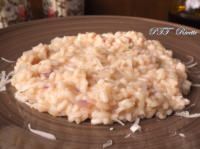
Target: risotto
(102,77)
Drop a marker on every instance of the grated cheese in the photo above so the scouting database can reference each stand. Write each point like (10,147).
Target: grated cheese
(192,65)
(181,135)
(4,80)
(186,114)
(7,60)
(127,136)
(42,133)
(192,105)
(107,144)
(135,127)
(120,122)
(190,61)
(196,85)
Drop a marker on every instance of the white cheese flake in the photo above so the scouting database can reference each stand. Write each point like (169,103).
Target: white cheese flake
(196,85)
(4,79)
(107,144)
(119,121)
(42,133)
(127,136)
(186,114)
(190,61)
(7,60)
(111,128)
(181,135)
(192,65)
(2,89)
(135,127)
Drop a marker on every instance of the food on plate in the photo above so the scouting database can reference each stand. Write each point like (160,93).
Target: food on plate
(109,77)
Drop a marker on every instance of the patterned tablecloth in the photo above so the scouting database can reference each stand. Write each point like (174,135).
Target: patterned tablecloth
(13,11)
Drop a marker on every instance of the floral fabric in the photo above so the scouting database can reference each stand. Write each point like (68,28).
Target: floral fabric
(62,8)
(13,11)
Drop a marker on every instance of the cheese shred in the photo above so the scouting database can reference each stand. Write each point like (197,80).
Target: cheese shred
(192,65)
(107,144)
(196,85)
(190,61)
(42,133)
(181,135)
(119,121)
(186,114)
(135,127)
(127,136)
(7,60)
(4,80)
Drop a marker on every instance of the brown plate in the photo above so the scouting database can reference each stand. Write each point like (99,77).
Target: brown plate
(159,134)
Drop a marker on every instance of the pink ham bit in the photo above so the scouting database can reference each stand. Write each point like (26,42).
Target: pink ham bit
(84,103)
(46,74)
(77,90)
(46,87)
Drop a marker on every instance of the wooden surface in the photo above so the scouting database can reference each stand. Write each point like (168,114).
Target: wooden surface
(155,134)
(157,9)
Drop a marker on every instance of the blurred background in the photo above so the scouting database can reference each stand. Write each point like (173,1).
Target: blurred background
(180,11)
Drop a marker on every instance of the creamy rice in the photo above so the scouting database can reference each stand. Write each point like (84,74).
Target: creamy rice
(101,77)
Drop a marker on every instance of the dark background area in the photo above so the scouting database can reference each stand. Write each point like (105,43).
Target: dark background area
(157,9)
